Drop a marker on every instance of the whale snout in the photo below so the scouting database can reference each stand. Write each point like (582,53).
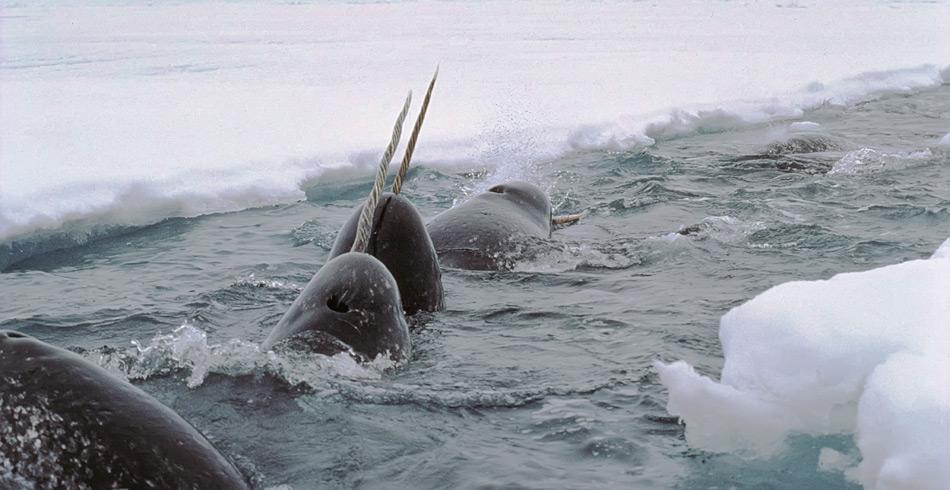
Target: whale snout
(351,304)
(524,196)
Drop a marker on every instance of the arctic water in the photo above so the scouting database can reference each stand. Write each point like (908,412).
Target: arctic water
(540,377)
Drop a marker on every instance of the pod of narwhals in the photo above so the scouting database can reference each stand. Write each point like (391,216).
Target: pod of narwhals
(67,423)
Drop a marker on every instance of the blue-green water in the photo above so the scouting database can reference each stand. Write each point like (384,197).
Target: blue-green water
(536,378)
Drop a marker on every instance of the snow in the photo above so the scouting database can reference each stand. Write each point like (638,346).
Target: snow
(195,101)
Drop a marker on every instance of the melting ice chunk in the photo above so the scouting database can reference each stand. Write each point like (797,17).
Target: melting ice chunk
(864,353)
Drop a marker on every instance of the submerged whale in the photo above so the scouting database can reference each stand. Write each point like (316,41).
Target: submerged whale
(67,423)
(399,239)
(351,305)
(488,231)
(802,143)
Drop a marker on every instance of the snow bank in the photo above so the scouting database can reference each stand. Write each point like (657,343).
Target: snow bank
(103,97)
(864,353)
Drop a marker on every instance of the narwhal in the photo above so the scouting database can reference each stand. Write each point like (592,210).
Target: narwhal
(399,239)
(68,423)
(354,303)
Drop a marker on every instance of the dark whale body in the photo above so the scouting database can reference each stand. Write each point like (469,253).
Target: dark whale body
(487,231)
(802,143)
(67,423)
(400,241)
(351,305)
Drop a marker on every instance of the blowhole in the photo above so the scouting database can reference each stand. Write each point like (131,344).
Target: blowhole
(16,335)
(498,189)
(336,304)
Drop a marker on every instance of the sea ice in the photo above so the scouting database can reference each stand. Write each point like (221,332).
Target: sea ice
(862,353)
(218,106)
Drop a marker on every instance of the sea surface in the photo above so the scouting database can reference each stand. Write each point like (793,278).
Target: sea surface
(540,377)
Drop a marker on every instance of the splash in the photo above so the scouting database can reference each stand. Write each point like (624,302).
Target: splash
(252,281)
(187,350)
(869,160)
(563,256)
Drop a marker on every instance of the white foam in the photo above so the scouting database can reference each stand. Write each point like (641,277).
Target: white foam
(187,349)
(869,160)
(215,106)
(862,353)
(945,141)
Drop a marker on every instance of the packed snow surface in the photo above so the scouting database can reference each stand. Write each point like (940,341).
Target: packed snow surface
(124,113)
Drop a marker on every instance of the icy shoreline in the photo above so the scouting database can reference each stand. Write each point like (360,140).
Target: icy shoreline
(199,107)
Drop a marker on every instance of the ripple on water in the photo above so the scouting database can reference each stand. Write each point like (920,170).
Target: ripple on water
(644,195)
(797,236)
(565,256)
(902,212)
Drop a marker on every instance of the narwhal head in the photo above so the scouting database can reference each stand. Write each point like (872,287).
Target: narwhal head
(529,198)
(351,303)
(17,350)
(399,239)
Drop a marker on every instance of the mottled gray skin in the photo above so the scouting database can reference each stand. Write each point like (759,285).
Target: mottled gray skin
(351,305)
(67,423)
(486,231)
(400,241)
(804,143)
